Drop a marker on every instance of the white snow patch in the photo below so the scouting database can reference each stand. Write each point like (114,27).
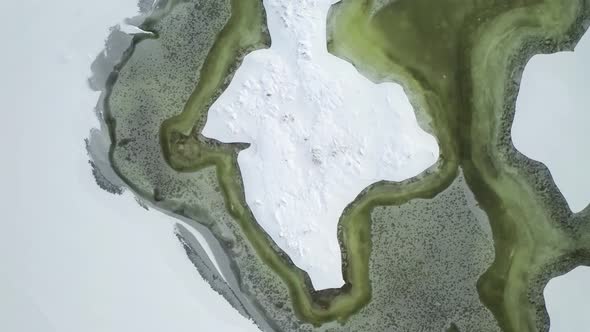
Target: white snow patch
(567,302)
(553,116)
(319,132)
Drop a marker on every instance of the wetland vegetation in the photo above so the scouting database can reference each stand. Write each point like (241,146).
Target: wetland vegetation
(466,246)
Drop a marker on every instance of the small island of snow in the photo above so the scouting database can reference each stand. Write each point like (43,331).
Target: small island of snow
(319,134)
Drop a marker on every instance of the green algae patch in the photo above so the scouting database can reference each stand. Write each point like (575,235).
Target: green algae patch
(412,251)
(244,32)
(468,57)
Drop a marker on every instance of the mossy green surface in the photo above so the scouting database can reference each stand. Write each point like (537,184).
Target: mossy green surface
(462,60)
(460,63)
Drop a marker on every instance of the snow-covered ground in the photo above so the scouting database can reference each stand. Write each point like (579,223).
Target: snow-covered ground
(73,257)
(320,133)
(552,119)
